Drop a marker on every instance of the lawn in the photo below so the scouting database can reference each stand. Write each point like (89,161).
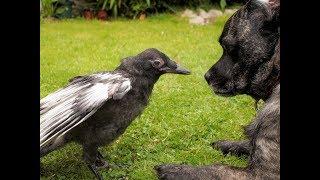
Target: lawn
(183,116)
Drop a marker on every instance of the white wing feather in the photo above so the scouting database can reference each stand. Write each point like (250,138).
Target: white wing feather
(66,108)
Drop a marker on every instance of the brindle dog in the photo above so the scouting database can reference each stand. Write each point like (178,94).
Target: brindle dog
(250,64)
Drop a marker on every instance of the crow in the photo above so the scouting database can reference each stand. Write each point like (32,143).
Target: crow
(93,110)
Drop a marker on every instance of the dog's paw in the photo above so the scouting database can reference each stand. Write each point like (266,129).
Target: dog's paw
(222,146)
(168,171)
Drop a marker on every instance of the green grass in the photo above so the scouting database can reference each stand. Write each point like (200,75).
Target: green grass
(183,116)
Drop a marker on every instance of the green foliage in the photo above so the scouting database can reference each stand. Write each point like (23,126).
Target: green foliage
(125,7)
(131,8)
(47,8)
(223,4)
(56,8)
(183,116)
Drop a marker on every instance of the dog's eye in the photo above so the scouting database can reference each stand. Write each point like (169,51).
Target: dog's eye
(231,50)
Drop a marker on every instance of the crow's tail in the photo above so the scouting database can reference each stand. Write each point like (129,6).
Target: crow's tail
(57,143)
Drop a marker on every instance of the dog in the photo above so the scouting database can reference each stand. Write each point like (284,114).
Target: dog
(250,65)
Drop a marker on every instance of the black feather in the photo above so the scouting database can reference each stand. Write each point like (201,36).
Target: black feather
(91,119)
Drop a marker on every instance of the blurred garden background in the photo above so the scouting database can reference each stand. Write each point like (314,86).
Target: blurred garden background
(184,115)
(106,9)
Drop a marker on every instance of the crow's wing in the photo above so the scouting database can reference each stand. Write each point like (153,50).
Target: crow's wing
(83,96)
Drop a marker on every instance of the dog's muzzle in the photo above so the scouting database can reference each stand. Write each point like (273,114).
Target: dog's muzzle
(207,77)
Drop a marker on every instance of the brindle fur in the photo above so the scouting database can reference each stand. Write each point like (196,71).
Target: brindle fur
(250,64)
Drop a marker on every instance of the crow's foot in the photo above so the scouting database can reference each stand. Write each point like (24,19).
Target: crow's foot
(94,169)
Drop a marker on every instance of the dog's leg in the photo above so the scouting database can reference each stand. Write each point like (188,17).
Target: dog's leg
(212,172)
(234,147)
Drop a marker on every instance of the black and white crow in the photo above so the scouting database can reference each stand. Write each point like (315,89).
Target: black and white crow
(93,110)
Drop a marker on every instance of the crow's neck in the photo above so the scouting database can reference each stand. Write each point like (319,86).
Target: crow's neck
(140,80)
(142,87)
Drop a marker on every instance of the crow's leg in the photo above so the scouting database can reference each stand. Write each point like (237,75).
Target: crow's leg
(100,155)
(94,160)
(101,163)
(234,147)
(212,172)
(94,170)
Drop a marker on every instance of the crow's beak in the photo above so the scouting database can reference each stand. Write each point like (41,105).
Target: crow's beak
(181,70)
(178,70)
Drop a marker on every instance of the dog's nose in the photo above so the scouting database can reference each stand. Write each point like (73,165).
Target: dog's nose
(207,76)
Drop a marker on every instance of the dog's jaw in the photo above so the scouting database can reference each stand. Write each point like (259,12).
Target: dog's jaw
(220,92)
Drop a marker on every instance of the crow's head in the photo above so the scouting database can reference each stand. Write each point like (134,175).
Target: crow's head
(151,62)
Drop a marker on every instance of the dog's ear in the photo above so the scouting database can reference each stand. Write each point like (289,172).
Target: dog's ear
(275,9)
(274,6)
(274,3)
(271,6)
(271,3)
(269,10)
(276,57)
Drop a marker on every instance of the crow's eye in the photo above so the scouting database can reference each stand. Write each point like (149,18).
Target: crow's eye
(157,63)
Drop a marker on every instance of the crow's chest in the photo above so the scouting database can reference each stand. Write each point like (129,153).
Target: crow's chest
(122,112)
(129,110)
(112,119)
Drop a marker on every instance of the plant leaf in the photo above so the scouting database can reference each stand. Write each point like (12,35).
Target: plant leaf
(111,3)
(104,4)
(168,6)
(119,3)
(148,3)
(223,4)
(115,11)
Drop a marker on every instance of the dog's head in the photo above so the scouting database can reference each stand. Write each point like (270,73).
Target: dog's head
(250,42)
